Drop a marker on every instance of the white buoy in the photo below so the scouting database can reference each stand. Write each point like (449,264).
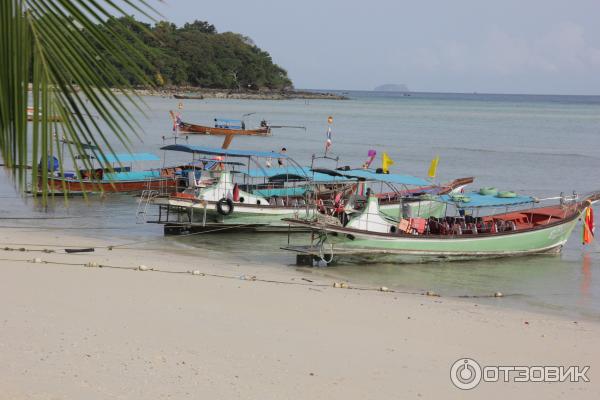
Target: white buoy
(36,260)
(142,268)
(91,264)
(384,289)
(498,294)
(196,272)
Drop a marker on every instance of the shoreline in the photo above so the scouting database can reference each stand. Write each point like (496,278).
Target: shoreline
(196,93)
(235,329)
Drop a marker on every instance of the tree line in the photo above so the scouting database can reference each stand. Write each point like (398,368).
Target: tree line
(195,54)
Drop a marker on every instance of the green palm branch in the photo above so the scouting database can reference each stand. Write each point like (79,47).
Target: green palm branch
(51,60)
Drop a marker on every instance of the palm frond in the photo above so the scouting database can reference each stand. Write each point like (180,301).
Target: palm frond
(53,49)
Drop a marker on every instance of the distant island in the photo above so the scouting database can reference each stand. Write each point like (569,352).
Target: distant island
(392,87)
(196,59)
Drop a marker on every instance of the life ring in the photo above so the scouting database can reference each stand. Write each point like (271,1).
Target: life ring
(507,195)
(225,202)
(488,191)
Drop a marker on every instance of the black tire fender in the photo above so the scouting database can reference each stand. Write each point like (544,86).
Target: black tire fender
(225,206)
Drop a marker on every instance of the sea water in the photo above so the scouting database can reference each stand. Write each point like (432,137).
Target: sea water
(538,145)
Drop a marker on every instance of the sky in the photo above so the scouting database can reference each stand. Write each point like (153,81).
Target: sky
(485,46)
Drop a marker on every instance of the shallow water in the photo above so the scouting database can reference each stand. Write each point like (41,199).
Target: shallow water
(541,145)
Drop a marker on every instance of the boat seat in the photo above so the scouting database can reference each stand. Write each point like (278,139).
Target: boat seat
(279,202)
(418,224)
(404,226)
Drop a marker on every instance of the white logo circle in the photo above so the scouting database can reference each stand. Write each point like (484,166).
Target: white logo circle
(465,373)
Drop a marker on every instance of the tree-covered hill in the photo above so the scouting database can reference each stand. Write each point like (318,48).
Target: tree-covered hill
(197,55)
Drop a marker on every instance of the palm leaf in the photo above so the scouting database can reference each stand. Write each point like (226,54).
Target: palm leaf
(53,49)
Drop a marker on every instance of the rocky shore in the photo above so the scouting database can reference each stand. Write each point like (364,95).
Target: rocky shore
(262,94)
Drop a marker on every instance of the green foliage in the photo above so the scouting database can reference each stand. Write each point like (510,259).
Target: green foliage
(197,55)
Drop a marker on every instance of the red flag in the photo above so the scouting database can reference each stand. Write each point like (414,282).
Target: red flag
(588,226)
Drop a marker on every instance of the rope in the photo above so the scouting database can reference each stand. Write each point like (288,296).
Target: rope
(114,246)
(252,278)
(164,238)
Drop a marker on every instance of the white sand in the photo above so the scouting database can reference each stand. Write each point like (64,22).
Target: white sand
(69,332)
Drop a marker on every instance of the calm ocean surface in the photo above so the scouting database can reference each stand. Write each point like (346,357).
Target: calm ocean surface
(540,145)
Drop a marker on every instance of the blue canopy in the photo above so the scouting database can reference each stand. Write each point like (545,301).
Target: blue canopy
(228,123)
(302,173)
(479,200)
(366,175)
(214,151)
(128,157)
(277,171)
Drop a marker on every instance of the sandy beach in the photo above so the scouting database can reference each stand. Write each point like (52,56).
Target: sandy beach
(70,331)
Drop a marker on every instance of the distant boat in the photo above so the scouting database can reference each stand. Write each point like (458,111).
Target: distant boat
(184,97)
(224,129)
(50,118)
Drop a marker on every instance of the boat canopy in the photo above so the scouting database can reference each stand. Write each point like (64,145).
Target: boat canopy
(228,123)
(197,162)
(128,157)
(214,151)
(476,200)
(365,175)
(300,173)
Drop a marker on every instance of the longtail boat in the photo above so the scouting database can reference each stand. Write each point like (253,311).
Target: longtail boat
(372,236)
(50,118)
(121,178)
(222,126)
(186,97)
(235,196)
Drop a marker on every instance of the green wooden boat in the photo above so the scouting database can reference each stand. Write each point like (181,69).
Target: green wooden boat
(374,237)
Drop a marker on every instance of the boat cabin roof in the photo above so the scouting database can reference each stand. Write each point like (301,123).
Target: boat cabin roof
(215,151)
(366,175)
(211,160)
(476,200)
(291,172)
(228,121)
(127,157)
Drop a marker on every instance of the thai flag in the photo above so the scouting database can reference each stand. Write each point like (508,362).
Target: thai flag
(328,142)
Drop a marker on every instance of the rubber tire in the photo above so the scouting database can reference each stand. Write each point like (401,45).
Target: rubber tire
(223,202)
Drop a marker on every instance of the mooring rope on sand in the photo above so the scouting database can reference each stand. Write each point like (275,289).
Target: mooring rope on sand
(122,246)
(253,278)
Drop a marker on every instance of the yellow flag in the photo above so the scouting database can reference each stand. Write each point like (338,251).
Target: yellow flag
(386,161)
(433,166)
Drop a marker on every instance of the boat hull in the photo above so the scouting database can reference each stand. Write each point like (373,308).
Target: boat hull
(197,211)
(74,186)
(209,130)
(356,246)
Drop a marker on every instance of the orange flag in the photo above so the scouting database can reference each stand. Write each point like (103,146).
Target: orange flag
(588,226)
